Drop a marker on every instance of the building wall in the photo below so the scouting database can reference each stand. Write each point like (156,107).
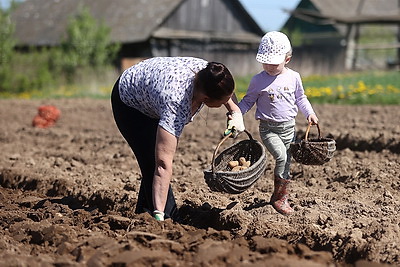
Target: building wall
(318,60)
(208,15)
(239,58)
(215,30)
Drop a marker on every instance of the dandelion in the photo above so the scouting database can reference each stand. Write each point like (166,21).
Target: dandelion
(361,87)
(25,95)
(392,89)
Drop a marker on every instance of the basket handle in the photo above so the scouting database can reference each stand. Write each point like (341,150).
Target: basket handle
(308,130)
(220,143)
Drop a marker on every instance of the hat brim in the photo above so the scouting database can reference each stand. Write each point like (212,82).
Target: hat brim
(274,60)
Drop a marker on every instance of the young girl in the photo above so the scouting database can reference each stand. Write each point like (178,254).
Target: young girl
(278,94)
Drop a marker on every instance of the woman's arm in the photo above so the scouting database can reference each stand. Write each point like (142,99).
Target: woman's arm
(231,105)
(166,144)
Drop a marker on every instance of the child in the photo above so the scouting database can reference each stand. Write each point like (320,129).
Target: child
(278,93)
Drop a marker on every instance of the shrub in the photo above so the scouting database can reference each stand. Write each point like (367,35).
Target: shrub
(87,44)
(6,49)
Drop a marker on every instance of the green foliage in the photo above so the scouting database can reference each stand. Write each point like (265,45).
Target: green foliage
(29,71)
(86,44)
(85,51)
(6,49)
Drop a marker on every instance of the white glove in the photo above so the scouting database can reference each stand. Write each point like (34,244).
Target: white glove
(235,125)
(158,215)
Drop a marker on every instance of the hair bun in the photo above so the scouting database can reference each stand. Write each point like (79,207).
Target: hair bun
(215,81)
(217,70)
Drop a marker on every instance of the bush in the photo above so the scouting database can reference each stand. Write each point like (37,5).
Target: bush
(87,45)
(6,49)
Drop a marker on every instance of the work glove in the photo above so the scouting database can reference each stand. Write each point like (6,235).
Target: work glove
(158,215)
(235,124)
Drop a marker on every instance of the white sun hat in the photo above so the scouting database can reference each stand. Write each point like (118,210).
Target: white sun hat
(273,48)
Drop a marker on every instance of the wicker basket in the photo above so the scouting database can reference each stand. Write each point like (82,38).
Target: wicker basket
(219,178)
(313,151)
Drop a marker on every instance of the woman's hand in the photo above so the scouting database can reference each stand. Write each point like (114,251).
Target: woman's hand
(158,215)
(235,124)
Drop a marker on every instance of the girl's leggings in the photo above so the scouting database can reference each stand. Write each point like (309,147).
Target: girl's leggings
(277,137)
(140,132)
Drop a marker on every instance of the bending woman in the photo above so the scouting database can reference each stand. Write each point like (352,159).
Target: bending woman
(152,102)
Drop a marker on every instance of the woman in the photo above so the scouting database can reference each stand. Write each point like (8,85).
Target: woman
(152,101)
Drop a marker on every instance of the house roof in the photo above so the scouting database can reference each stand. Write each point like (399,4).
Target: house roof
(356,19)
(351,8)
(43,22)
(341,12)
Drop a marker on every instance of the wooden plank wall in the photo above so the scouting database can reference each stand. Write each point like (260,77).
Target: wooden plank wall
(318,60)
(239,58)
(206,15)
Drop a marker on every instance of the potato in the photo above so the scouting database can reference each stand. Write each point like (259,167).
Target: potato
(236,169)
(232,164)
(244,162)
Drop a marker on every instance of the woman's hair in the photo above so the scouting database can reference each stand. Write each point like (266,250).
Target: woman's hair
(215,81)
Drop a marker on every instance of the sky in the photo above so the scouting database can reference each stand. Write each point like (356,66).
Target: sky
(268,14)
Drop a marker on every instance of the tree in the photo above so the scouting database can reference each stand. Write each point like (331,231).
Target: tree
(7,44)
(87,44)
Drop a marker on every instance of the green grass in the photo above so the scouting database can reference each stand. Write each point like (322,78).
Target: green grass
(375,87)
(88,83)
(65,91)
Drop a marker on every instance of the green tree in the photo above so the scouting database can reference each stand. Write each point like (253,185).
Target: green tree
(7,44)
(87,44)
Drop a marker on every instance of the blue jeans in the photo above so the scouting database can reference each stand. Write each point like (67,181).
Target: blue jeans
(277,137)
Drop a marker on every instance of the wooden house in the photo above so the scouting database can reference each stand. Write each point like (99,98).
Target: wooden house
(216,30)
(327,35)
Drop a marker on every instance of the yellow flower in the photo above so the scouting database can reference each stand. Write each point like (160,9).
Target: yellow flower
(392,89)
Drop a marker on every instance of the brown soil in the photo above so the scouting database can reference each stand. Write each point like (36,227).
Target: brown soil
(67,195)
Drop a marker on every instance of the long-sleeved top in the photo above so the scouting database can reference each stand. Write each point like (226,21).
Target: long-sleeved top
(277,98)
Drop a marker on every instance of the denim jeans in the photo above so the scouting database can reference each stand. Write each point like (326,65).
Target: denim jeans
(277,137)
